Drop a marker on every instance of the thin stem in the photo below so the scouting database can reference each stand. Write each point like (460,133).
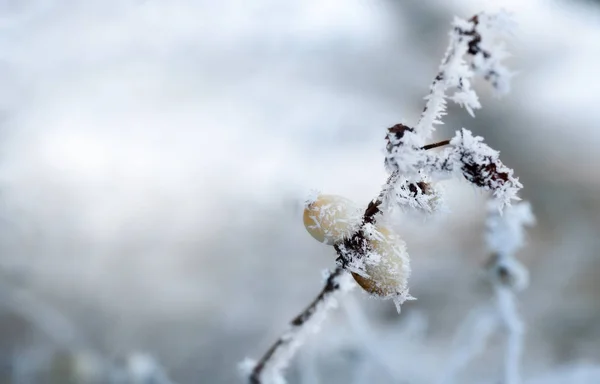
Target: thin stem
(436,145)
(277,356)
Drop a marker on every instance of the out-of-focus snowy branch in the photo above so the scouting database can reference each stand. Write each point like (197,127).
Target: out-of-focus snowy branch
(71,359)
(505,235)
(363,332)
(470,340)
(269,369)
(506,302)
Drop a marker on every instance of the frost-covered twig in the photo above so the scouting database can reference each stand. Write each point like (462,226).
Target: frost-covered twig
(269,369)
(413,168)
(375,256)
(471,50)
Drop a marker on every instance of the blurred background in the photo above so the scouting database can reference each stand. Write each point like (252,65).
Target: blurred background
(155,156)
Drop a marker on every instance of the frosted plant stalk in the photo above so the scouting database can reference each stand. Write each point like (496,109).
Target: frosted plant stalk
(269,369)
(515,329)
(413,170)
(472,50)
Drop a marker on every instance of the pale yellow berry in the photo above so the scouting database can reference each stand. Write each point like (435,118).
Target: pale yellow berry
(331,218)
(387,265)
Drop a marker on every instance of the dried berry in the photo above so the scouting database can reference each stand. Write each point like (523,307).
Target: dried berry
(331,218)
(386,264)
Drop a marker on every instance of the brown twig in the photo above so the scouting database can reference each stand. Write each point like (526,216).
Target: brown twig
(436,145)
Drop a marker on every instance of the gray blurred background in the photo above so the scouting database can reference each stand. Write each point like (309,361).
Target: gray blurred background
(154,157)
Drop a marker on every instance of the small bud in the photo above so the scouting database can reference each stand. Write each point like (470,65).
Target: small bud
(331,218)
(386,264)
(508,272)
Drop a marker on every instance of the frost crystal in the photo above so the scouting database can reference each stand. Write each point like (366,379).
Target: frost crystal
(472,50)
(486,55)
